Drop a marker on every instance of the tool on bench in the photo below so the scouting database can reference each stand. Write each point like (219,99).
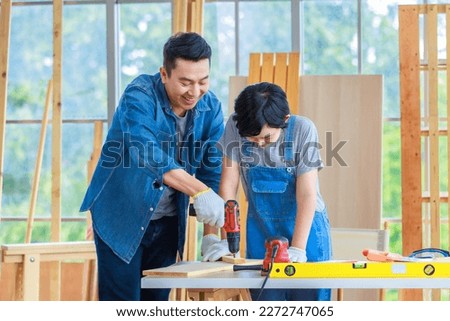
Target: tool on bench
(276,252)
(231,225)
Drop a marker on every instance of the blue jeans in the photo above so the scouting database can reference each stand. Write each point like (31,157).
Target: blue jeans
(119,281)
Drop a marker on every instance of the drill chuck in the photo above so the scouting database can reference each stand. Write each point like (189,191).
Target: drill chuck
(234,239)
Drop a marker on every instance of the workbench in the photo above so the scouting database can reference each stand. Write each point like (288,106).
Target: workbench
(227,279)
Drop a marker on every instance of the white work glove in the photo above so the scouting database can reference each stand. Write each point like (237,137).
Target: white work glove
(213,248)
(209,208)
(296,254)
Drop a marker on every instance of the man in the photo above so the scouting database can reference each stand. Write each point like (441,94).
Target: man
(276,156)
(160,149)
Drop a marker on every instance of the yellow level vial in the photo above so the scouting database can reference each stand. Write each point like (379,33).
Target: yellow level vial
(361,269)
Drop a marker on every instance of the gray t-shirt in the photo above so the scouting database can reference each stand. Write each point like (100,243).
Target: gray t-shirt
(305,147)
(167,205)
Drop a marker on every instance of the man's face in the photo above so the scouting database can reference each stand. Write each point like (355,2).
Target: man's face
(188,82)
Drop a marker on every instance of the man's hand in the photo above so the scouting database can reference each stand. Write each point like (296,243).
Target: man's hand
(296,254)
(213,248)
(209,208)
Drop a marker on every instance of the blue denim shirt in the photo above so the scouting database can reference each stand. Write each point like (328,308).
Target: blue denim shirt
(139,149)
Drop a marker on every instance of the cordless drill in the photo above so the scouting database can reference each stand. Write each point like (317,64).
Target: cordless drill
(232,226)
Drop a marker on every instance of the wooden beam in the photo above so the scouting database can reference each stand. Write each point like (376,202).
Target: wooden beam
(55,233)
(410,135)
(37,168)
(432,51)
(179,15)
(5,25)
(447,19)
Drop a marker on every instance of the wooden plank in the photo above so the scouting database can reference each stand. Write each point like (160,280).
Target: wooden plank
(179,15)
(191,239)
(47,248)
(7,281)
(191,24)
(254,72)
(293,82)
(410,134)
(56,121)
(233,260)
(190,269)
(431,36)
(280,72)
(31,276)
(447,19)
(199,16)
(432,51)
(55,232)
(410,128)
(5,30)
(267,67)
(38,166)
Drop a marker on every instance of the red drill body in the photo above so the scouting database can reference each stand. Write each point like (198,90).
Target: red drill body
(232,226)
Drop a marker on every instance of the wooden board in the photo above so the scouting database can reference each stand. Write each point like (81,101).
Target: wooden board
(347,111)
(190,268)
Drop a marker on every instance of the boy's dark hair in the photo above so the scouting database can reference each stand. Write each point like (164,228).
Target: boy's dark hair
(260,104)
(186,45)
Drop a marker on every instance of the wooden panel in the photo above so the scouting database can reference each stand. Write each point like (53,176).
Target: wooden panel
(71,274)
(235,86)
(347,112)
(5,26)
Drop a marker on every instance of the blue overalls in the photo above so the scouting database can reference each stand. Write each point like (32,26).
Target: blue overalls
(272,210)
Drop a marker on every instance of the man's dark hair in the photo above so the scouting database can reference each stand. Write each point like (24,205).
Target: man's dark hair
(260,104)
(186,45)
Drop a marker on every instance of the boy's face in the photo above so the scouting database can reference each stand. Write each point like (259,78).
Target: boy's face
(267,136)
(188,82)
